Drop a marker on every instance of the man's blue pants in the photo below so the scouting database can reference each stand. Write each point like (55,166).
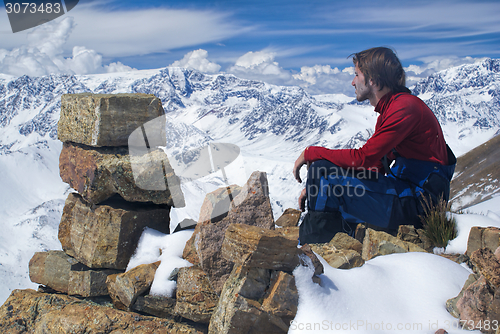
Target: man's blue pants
(360,196)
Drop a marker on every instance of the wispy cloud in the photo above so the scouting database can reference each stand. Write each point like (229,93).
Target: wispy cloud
(121,32)
(143,31)
(434,19)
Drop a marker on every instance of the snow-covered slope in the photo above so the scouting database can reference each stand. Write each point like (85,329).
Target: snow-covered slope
(270,124)
(466,101)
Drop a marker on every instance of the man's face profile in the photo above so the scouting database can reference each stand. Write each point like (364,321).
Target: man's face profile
(363,91)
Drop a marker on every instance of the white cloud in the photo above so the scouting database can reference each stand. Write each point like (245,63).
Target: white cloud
(322,79)
(310,74)
(197,60)
(260,65)
(43,54)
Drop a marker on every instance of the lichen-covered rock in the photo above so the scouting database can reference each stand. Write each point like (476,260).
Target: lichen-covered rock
(488,265)
(196,299)
(125,288)
(291,232)
(239,310)
(377,243)
(106,119)
(28,311)
(289,218)
(99,173)
(251,206)
(252,246)
(106,235)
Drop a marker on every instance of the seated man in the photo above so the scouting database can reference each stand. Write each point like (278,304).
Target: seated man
(348,186)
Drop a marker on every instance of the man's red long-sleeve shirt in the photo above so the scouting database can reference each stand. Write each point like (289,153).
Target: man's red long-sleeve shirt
(405,123)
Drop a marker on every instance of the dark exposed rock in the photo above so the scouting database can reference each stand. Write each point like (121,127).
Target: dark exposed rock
(417,236)
(307,251)
(159,306)
(89,283)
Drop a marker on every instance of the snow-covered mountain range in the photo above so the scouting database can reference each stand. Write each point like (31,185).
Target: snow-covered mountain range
(271,125)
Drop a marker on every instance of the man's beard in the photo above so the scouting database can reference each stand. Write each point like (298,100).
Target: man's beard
(364,95)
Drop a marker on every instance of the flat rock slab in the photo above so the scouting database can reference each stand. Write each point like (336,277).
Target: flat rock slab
(196,299)
(377,243)
(252,246)
(99,173)
(106,119)
(28,311)
(106,235)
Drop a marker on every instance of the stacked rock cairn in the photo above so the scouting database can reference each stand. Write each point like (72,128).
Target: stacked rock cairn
(102,223)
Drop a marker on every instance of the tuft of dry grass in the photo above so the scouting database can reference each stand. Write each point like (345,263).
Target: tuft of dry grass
(437,226)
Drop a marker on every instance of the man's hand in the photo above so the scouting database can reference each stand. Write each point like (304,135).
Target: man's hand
(301,161)
(302,200)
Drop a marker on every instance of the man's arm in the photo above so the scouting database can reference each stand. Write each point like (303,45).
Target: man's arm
(392,130)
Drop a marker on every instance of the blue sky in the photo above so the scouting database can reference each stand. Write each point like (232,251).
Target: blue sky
(276,41)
